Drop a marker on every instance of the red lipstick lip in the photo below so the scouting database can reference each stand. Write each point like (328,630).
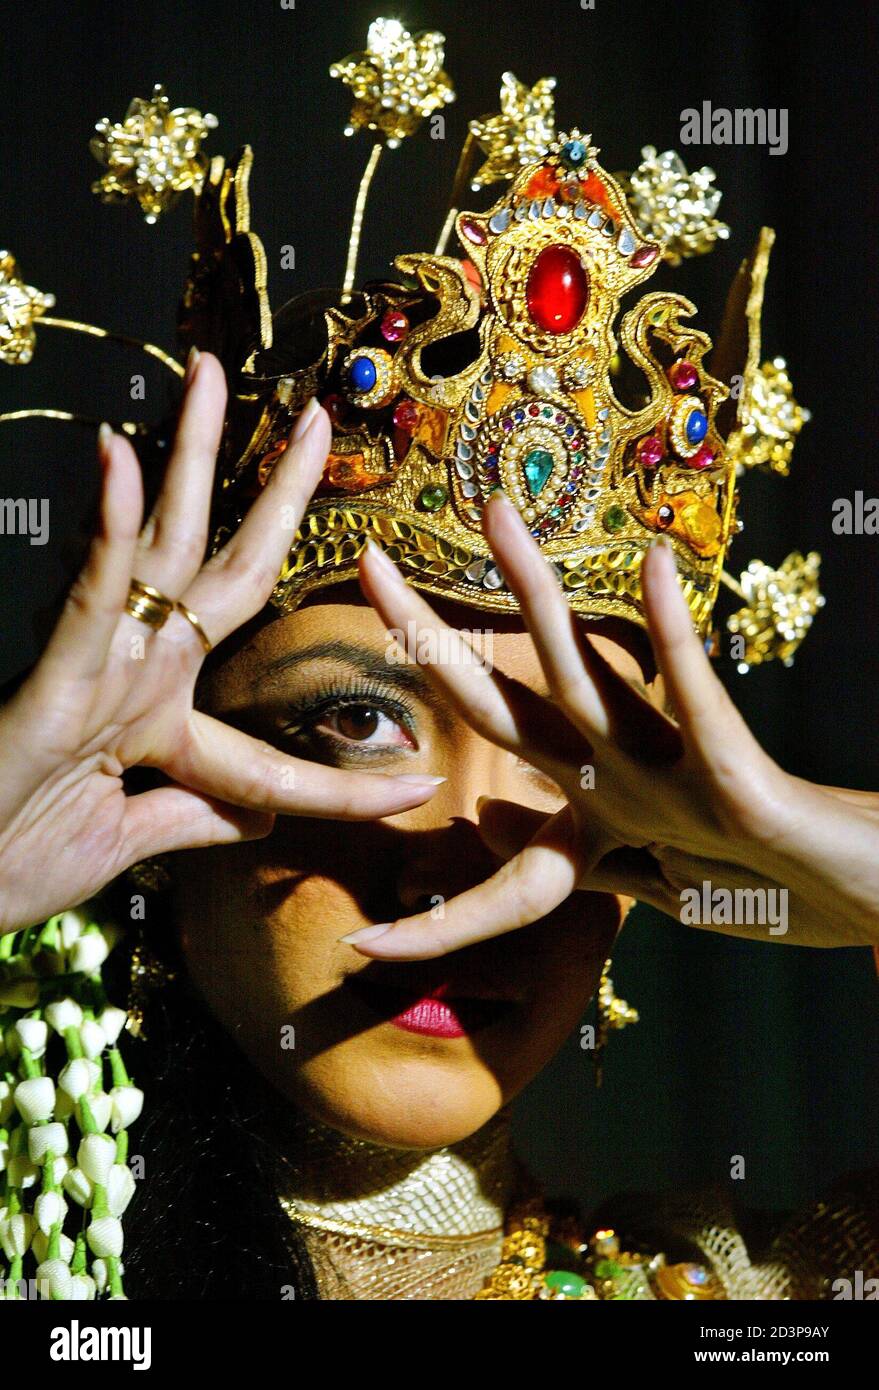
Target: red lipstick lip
(432,1016)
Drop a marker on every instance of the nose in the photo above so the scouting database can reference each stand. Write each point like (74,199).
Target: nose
(448,860)
(445,862)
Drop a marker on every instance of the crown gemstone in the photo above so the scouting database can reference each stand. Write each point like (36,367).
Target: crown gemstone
(614,519)
(558,290)
(704,458)
(646,255)
(432,497)
(362,374)
(573,154)
(697,427)
(394,326)
(474,231)
(538,466)
(651,451)
(683,376)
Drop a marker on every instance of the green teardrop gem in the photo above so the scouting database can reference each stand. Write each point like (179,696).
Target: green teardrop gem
(538,466)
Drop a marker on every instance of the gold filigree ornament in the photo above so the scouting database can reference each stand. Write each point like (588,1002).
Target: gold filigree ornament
(674,206)
(771,421)
(780,605)
(20,304)
(520,133)
(153,155)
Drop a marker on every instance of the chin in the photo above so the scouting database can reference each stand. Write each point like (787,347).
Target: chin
(410,1103)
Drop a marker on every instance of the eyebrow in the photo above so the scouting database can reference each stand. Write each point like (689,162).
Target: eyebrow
(368,662)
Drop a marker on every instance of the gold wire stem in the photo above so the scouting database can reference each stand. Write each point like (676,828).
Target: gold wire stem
(127,426)
(458,187)
(95,332)
(733,585)
(357,221)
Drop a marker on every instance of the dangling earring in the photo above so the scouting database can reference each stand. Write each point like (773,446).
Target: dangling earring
(147,972)
(612,1012)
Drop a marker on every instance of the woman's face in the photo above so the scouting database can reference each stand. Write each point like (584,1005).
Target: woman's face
(410,1054)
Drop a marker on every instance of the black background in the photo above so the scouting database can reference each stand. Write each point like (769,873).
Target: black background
(762,1051)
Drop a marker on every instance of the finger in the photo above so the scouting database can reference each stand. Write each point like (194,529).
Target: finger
(523,891)
(704,710)
(173,818)
(173,542)
(237,582)
(506,827)
(79,645)
(550,621)
(230,765)
(594,696)
(500,709)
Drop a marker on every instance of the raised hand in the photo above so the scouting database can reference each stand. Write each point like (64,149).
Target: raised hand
(675,803)
(111,692)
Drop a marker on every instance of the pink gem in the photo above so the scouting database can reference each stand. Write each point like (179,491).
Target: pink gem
(703,459)
(395,326)
(683,376)
(575,443)
(406,416)
(474,232)
(650,451)
(646,256)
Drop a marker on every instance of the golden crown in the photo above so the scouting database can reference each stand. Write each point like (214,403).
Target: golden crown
(515,366)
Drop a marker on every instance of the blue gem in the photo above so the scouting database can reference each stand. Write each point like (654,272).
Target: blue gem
(573,154)
(569,430)
(362,374)
(697,427)
(572,487)
(520,415)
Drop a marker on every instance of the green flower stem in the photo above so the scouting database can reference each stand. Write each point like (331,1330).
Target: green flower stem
(87,1124)
(117,1069)
(49,1184)
(28,1065)
(122,1146)
(15,1273)
(53,1250)
(73,1042)
(114,1277)
(99,1201)
(7,945)
(78,1263)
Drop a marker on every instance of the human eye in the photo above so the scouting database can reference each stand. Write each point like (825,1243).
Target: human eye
(350,721)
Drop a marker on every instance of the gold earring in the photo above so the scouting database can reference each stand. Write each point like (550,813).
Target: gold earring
(612,1013)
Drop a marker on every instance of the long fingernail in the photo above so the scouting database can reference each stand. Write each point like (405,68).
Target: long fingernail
(305,419)
(383,561)
(354,938)
(105,435)
(480,802)
(415,779)
(192,362)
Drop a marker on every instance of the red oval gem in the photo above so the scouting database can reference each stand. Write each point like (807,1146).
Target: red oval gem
(558,290)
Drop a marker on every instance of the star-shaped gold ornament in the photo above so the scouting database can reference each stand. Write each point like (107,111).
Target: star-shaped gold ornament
(396,82)
(780,607)
(153,155)
(675,207)
(771,420)
(522,131)
(20,304)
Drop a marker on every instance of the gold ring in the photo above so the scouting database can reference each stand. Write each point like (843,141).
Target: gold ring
(190,617)
(148,605)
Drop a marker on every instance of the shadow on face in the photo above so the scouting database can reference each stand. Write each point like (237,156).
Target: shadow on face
(414,1054)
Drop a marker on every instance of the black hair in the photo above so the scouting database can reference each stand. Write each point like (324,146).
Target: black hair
(205,1221)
